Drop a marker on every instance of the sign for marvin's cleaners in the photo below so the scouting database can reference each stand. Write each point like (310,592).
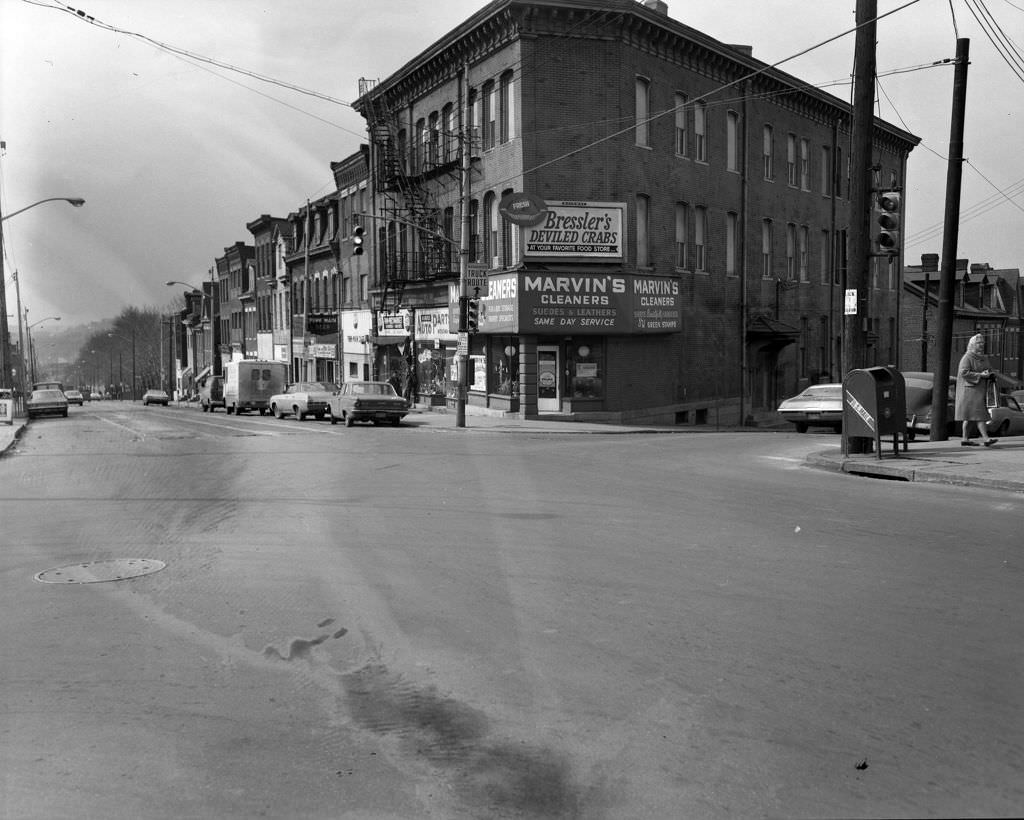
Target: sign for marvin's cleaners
(582,230)
(580,303)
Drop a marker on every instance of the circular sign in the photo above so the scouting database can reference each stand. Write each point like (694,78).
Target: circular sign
(546,379)
(523,209)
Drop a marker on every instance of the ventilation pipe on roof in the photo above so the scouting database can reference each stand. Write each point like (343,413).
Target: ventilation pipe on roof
(657,6)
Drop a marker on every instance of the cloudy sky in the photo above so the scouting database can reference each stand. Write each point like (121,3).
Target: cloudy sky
(174,156)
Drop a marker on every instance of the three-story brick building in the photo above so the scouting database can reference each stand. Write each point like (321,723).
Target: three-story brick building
(688,252)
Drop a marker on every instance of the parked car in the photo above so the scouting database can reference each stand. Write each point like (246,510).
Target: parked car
(302,399)
(211,393)
(46,402)
(74,397)
(1007,415)
(820,405)
(367,401)
(918,394)
(154,396)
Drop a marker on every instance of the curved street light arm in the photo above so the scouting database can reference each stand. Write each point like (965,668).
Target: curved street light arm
(78,202)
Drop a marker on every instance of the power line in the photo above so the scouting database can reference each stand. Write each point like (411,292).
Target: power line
(90,20)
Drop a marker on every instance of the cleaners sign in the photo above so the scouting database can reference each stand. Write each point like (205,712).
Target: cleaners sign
(581,230)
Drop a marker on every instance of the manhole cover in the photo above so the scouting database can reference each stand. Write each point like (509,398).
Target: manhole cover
(118,569)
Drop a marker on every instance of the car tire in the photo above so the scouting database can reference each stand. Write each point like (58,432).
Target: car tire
(299,415)
(65,414)
(276,411)
(206,408)
(800,427)
(396,422)
(1004,429)
(349,420)
(334,419)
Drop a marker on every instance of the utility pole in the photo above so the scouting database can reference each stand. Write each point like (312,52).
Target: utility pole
(462,358)
(855,326)
(950,237)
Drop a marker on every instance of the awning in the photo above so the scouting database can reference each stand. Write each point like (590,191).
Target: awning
(766,333)
(382,341)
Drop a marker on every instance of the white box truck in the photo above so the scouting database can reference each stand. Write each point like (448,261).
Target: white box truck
(249,384)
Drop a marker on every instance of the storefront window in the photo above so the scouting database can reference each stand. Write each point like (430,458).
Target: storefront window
(504,366)
(432,371)
(478,363)
(586,370)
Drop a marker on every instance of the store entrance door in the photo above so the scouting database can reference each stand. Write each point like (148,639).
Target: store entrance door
(549,399)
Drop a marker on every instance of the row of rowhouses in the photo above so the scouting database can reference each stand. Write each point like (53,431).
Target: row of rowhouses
(686,257)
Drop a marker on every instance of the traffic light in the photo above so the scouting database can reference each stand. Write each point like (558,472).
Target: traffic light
(357,240)
(472,315)
(887,207)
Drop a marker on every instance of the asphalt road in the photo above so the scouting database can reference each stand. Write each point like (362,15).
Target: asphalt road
(411,623)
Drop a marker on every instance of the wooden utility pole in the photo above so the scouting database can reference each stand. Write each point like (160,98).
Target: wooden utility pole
(950,237)
(855,327)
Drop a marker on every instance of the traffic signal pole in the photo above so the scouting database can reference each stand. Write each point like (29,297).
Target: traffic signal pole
(950,237)
(462,359)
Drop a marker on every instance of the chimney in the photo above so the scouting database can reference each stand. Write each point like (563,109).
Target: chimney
(980,267)
(657,6)
(929,262)
(748,50)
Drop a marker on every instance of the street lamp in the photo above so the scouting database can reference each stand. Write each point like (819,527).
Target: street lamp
(207,319)
(119,336)
(5,341)
(31,349)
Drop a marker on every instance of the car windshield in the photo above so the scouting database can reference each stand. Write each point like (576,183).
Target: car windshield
(46,395)
(373,389)
(823,391)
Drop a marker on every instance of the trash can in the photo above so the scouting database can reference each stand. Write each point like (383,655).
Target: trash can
(875,405)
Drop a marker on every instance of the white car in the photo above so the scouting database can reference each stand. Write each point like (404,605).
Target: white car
(302,399)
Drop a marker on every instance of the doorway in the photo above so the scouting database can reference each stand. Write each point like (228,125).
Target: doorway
(549,399)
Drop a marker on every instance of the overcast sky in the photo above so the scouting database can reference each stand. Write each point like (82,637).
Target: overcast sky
(173,157)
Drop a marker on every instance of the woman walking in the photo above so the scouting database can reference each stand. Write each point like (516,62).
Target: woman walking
(971,406)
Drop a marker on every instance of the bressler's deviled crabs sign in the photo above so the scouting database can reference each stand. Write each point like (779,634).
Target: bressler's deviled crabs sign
(589,230)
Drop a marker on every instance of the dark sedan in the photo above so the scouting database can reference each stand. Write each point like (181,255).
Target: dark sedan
(46,403)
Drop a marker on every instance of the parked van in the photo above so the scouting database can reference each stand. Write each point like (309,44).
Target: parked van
(211,392)
(249,384)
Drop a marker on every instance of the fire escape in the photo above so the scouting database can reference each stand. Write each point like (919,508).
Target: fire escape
(414,171)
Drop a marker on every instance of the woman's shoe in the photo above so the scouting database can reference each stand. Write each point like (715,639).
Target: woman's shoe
(969,443)
(991,441)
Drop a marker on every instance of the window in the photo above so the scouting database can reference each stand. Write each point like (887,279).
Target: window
(826,171)
(507,237)
(802,253)
(825,260)
(643,111)
(805,178)
(790,252)
(768,150)
(506,101)
(402,148)
(474,231)
(791,167)
(488,248)
(643,259)
(488,114)
(838,181)
(682,235)
(449,142)
(700,230)
(433,140)
(732,141)
(766,249)
(682,137)
(700,112)
(422,142)
(731,233)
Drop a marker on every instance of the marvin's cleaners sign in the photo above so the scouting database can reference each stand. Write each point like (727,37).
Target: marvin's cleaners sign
(580,230)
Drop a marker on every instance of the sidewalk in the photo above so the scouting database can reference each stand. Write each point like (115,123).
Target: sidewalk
(1000,467)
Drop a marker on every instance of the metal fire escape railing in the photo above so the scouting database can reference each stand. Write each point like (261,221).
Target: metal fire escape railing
(413,243)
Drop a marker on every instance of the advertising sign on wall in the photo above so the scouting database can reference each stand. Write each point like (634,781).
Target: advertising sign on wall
(581,303)
(584,230)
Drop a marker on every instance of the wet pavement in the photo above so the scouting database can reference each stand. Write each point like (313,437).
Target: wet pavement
(999,467)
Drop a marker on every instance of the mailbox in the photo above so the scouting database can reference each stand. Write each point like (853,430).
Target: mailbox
(875,405)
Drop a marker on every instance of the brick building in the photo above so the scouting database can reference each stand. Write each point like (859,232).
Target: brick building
(692,203)
(986,300)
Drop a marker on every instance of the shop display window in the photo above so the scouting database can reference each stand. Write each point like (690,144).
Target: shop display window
(503,373)
(586,370)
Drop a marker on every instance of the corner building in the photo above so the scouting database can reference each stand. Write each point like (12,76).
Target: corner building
(689,261)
